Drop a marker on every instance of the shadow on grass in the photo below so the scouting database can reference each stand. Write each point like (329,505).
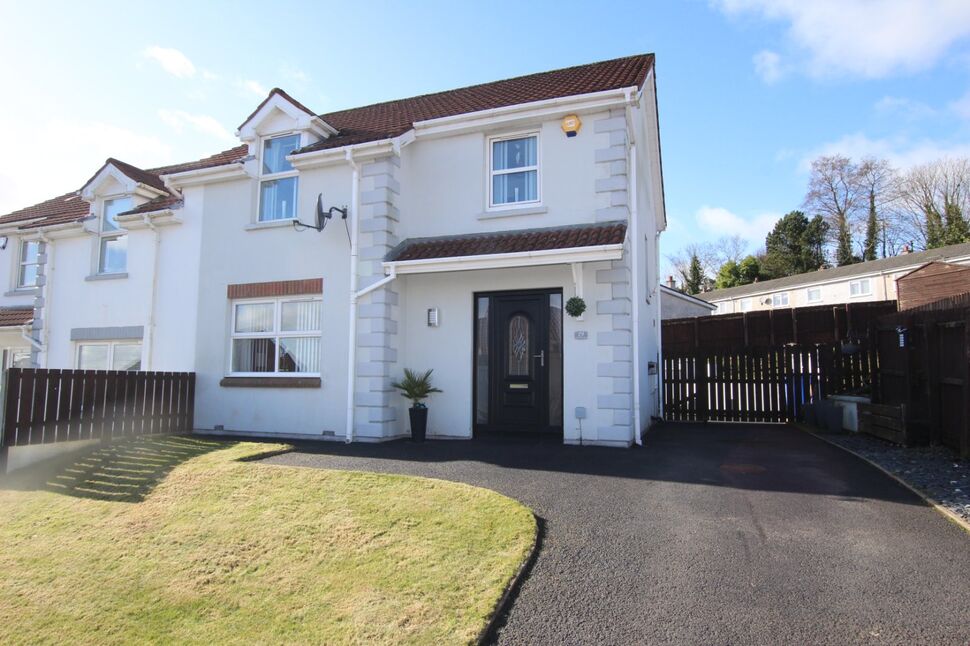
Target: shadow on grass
(122,471)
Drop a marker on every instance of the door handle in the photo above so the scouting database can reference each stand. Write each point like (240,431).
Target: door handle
(541,357)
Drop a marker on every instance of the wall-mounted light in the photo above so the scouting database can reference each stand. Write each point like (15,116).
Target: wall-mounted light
(3,242)
(432,317)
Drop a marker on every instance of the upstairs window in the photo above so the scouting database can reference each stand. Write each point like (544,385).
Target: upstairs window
(29,256)
(113,242)
(514,170)
(277,179)
(745,304)
(814,294)
(779,300)
(860,287)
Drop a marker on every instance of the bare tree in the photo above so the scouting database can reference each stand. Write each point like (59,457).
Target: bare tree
(833,193)
(712,255)
(933,200)
(877,183)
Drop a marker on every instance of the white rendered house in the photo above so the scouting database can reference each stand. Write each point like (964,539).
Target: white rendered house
(457,226)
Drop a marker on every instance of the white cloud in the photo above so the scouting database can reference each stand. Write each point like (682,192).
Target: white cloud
(767,64)
(172,61)
(254,87)
(864,38)
(77,157)
(203,123)
(716,221)
(901,151)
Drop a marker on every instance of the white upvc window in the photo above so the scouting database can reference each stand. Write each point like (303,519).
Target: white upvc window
(813,294)
(861,287)
(277,179)
(745,304)
(279,336)
(513,177)
(779,300)
(29,262)
(112,239)
(109,355)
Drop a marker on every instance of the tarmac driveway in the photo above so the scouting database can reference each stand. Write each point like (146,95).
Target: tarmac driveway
(717,534)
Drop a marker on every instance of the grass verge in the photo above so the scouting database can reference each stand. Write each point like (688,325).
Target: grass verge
(175,540)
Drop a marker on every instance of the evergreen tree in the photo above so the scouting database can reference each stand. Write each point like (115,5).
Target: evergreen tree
(729,275)
(843,247)
(872,230)
(749,270)
(794,246)
(695,276)
(934,227)
(955,230)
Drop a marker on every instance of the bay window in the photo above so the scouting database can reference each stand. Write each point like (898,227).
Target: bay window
(29,256)
(277,179)
(514,170)
(276,337)
(113,241)
(109,355)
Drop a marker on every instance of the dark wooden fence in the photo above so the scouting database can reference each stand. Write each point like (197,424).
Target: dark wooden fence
(48,406)
(759,384)
(765,366)
(773,328)
(924,365)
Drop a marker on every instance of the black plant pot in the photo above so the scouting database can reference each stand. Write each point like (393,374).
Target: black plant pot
(419,423)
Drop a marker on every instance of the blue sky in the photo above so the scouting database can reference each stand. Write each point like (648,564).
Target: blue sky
(749,90)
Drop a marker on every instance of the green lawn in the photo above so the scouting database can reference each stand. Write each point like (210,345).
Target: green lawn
(175,540)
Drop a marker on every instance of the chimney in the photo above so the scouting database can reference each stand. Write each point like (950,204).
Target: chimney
(671,283)
(905,250)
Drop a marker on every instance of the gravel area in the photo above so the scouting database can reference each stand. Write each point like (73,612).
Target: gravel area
(709,534)
(935,470)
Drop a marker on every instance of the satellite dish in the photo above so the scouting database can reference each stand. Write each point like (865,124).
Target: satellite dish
(322,215)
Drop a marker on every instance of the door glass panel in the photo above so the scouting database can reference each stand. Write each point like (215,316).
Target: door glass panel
(518,351)
(554,361)
(481,362)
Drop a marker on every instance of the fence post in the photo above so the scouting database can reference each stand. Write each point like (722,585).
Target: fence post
(703,403)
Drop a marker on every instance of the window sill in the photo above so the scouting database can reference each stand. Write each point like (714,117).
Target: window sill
(22,291)
(270,224)
(118,276)
(510,213)
(270,382)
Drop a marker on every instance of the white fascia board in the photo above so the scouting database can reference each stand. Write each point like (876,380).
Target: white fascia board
(210,175)
(57,231)
(160,218)
(676,293)
(335,156)
(506,260)
(535,110)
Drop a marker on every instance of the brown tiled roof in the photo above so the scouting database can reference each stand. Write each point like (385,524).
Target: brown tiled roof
(523,240)
(159,203)
(16,316)
(71,208)
(393,118)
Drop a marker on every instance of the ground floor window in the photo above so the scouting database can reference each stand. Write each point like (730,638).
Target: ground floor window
(276,336)
(109,355)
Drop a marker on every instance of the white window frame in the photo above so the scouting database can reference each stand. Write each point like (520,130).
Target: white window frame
(22,264)
(111,352)
(778,296)
(103,235)
(744,305)
(266,177)
(868,292)
(276,333)
(490,173)
(808,295)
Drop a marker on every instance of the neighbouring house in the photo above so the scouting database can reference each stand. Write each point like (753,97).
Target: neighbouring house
(932,282)
(675,304)
(300,272)
(874,280)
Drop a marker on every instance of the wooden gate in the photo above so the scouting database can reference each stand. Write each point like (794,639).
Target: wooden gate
(758,384)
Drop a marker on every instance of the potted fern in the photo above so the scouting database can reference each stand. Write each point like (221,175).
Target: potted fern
(417,388)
